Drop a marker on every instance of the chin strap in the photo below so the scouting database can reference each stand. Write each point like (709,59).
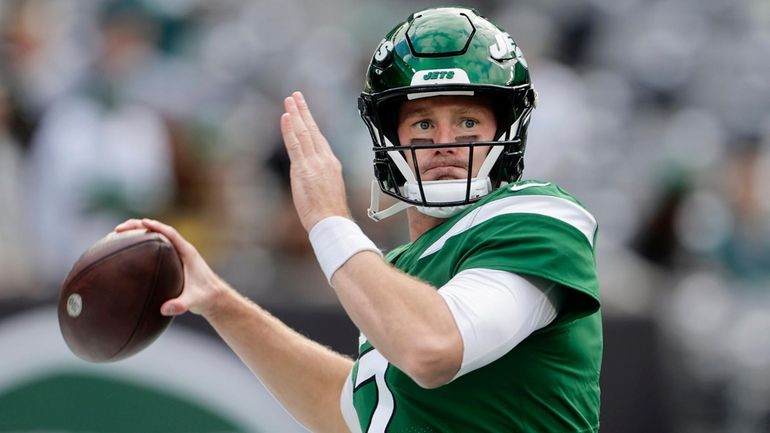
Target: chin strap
(374,211)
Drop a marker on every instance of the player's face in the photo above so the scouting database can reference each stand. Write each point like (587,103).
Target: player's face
(446,119)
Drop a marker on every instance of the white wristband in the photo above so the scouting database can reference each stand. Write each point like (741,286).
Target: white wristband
(336,239)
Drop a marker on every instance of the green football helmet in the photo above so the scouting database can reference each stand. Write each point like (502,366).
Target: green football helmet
(445,51)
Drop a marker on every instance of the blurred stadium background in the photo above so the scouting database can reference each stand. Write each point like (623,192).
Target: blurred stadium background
(656,113)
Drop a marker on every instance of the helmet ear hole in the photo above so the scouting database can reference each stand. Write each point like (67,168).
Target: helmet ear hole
(509,166)
(388,115)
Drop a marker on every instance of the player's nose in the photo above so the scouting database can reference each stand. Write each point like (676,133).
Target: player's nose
(444,134)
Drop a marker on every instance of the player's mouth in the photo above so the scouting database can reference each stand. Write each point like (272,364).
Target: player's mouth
(445,171)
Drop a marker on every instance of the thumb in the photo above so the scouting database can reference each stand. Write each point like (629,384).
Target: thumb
(174,307)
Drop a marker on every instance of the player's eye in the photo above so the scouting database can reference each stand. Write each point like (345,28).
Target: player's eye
(423,125)
(469,123)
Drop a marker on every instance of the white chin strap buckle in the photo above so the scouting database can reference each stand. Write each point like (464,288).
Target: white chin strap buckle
(374,211)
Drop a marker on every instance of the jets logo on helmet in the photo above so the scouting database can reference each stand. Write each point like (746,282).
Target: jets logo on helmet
(445,51)
(440,76)
(383,51)
(503,48)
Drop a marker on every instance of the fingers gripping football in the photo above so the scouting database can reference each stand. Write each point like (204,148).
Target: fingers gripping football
(317,186)
(202,286)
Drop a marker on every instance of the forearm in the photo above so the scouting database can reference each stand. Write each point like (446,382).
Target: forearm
(404,318)
(304,376)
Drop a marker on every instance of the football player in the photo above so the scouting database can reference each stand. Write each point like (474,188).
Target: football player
(489,319)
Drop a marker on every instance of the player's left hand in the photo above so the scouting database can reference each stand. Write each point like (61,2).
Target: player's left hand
(317,186)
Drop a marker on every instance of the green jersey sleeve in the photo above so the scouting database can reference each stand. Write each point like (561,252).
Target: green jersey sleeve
(538,230)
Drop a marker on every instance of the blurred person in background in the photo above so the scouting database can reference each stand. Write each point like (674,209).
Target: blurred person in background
(15,266)
(99,154)
(489,319)
(43,56)
(746,250)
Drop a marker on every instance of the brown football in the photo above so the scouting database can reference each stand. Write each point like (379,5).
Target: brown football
(109,305)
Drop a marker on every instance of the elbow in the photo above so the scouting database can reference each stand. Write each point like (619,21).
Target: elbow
(433,365)
(430,380)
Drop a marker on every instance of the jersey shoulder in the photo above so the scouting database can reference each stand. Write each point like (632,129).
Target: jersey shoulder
(527,188)
(532,228)
(532,199)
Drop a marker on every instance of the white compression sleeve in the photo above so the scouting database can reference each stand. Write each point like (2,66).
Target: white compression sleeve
(496,310)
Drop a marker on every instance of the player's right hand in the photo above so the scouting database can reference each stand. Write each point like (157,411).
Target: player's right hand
(202,287)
